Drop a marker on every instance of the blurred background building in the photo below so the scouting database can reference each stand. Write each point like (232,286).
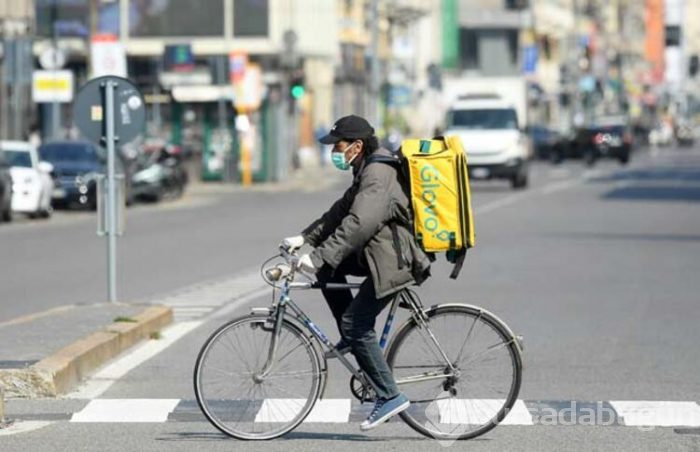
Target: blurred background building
(17,30)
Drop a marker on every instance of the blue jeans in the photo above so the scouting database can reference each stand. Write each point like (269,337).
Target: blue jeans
(356,317)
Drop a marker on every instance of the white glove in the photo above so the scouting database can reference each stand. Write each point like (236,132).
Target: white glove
(292,243)
(305,264)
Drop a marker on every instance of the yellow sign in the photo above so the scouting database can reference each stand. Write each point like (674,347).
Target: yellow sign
(52,86)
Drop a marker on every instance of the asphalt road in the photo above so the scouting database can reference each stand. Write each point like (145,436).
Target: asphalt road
(596,268)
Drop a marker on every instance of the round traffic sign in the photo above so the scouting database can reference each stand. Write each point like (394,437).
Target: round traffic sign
(129,110)
(52,58)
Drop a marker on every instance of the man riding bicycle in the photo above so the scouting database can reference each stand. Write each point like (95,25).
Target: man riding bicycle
(365,233)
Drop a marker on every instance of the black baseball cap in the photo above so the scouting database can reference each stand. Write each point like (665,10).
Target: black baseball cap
(348,127)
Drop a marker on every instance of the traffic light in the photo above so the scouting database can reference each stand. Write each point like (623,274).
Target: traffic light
(297,91)
(296,85)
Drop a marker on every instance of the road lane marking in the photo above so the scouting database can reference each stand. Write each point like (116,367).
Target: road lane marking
(324,411)
(23,427)
(518,415)
(126,410)
(508,200)
(663,414)
(469,411)
(559,186)
(330,410)
(229,308)
(98,383)
(639,414)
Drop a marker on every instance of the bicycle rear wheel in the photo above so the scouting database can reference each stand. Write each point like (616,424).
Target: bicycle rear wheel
(485,387)
(234,397)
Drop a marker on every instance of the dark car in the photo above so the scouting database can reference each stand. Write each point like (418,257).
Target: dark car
(547,144)
(77,165)
(159,173)
(5,189)
(608,140)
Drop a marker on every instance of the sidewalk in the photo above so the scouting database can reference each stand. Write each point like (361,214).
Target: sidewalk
(47,353)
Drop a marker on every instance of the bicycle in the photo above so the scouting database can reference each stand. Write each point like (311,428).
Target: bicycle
(272,386)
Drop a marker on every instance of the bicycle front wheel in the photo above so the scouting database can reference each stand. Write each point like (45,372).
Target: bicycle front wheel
(471,400)
(233,394)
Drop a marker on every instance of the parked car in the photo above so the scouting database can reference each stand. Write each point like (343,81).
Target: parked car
(5,189)
(32,181)
(610,138)
(159,173)
(77,165)
(547,143)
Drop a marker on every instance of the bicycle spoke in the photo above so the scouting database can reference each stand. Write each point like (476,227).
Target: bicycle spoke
(242,358)
(230,374)
(466,339)
(266,346)
(489,350)
(289,353)
(431,347)
(290,374)
(286,391)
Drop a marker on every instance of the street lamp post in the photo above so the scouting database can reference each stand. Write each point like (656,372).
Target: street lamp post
(55,107)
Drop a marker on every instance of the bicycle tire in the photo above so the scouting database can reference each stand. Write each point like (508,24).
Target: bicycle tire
(265,411)
(420,415)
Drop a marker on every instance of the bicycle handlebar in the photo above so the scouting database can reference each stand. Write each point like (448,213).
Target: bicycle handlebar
(277,272)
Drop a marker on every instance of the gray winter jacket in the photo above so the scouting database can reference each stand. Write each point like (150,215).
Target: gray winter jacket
(361,223)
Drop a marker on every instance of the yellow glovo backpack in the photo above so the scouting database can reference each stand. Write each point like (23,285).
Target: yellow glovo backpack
(434,173)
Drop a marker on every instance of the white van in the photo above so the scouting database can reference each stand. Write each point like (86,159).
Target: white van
(492,137)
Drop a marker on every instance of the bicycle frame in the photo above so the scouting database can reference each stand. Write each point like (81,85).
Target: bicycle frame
(405,298)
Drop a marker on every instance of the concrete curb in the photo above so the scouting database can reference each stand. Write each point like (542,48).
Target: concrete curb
(60,372)
(2,406)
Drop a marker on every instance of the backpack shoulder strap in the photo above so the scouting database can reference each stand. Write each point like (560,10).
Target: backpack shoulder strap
(394,159)
(458,262)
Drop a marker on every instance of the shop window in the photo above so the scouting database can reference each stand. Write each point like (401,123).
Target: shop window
(155,18)
(71,17)
(251,17)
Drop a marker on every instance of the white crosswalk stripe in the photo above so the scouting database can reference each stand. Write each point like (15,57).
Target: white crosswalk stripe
(664,414)
(524,413)
(126,410)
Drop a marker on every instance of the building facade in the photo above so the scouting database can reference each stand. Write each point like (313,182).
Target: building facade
(16,64)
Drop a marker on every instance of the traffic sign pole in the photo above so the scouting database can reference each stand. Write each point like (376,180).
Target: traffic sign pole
(109,87)
(106,110)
